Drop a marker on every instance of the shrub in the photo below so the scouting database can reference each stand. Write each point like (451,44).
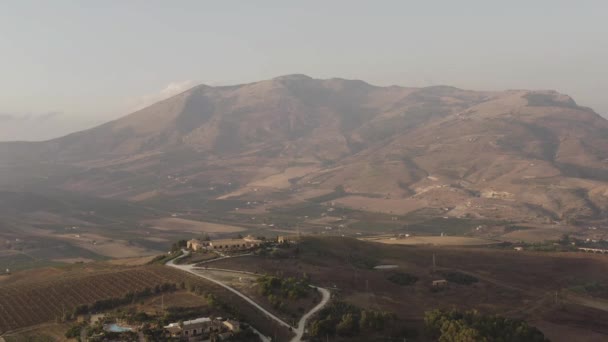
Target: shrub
(473,326)
(459,278)
(403,279)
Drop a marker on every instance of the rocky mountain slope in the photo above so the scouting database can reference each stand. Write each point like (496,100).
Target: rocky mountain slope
(522,155)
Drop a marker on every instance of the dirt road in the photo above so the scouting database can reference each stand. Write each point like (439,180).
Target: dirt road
(299,330)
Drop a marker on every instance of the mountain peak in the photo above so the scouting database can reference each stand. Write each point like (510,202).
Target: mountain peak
(293,77)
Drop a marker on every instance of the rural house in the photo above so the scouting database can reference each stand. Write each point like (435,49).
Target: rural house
(198,329)
(439,283)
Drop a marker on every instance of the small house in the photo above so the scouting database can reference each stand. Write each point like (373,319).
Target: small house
(439,283)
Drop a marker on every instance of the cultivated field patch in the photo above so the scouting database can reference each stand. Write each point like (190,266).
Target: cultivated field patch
(191,226)
(381,205)
(436,240)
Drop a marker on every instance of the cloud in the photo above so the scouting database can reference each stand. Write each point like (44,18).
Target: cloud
(171,89)
(42,116)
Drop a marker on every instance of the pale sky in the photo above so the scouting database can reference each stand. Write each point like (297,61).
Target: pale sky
(67,65)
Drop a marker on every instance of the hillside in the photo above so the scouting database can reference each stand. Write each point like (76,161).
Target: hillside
(531,156)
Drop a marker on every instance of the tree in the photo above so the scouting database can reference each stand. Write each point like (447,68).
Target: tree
(347,325)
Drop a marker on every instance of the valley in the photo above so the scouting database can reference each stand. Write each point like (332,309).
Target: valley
(398,201)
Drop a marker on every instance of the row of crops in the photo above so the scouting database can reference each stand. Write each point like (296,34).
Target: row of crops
(27,304)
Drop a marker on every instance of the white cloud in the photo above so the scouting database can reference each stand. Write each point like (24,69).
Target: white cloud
(171,89)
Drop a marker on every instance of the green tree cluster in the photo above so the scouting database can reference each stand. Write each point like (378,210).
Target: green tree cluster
(128,298)
(345,320)
(460,278)
(472,326)
(403,279)
(289,288)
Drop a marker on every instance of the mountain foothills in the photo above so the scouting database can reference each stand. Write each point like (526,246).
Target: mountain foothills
(533,156)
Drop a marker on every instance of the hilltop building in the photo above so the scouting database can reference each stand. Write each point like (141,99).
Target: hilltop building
(224,244)
(196,244)
(288,239)
(199,329)
(439,283)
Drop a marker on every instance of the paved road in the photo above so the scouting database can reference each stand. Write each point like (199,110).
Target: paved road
(191,269)
(302,323)
(299,330)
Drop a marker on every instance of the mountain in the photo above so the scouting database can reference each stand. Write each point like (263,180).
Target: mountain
(517,155)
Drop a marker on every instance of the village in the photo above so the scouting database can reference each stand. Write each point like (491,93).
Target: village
(103,327)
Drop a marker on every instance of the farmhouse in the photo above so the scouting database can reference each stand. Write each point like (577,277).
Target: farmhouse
(196,244)
(235,244)
(439,283)
(224,244)
(195,330)
(233,326)
(288,239)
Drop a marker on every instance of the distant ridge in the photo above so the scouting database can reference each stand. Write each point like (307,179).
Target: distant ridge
(517,154)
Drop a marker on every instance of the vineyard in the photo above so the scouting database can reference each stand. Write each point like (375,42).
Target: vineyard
(26,304)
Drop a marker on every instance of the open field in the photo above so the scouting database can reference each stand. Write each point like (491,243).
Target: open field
(382,205)
(515,284)
(26,303)
(138,261)
(50,332)
(191,226)
(538,234)
(34,297)
(105,246)
(281,180)
(435,240)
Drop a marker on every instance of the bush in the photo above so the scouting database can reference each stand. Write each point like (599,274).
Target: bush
(459,278)
(403,279)
(473,326)
(291,288)
(74,331)
(343,319)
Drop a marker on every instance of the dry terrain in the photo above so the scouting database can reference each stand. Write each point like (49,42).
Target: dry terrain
(34,297)
(519,155)
(195,227)
(435,240)
(516,284)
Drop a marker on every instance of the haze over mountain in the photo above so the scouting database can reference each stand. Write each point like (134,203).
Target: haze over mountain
(517,154)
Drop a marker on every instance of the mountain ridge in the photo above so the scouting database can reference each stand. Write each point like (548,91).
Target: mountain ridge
(515,154)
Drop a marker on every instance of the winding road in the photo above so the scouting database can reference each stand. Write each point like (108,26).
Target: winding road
(299,330)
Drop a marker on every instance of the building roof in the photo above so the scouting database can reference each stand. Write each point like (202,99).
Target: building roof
(228,242)
(190,322)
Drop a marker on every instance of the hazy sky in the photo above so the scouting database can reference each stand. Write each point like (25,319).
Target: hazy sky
(66,65)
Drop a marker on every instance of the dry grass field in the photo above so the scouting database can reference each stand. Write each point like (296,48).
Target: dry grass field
(106,246)
(281,180)
(25,303)
(40,333)
(31,299)
(515,284)
(191,226)
(381,205)
(436,241)
(138,261)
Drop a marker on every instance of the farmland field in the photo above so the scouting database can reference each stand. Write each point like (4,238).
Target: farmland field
(387,206)
(24,303)
(33,298)
(436,240)
(191,226)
